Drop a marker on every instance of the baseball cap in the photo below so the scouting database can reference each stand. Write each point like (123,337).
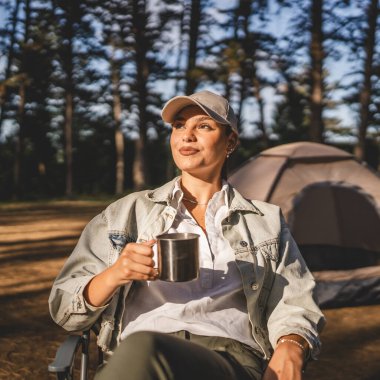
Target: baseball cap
(217,107)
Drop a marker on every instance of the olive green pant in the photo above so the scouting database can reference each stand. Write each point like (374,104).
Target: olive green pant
(181,356)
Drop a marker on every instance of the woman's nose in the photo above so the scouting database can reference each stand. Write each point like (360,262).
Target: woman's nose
(188,136)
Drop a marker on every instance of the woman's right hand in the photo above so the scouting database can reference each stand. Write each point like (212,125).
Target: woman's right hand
(134,263)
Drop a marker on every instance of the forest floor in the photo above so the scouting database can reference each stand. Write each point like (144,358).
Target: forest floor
(35,239)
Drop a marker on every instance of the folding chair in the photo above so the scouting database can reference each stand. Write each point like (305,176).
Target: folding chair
(63,364)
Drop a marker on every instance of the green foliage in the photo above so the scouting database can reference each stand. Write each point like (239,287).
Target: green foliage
(52,48)
(291,117)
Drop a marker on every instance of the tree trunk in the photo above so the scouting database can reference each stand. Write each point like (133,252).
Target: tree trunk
(366,90)
(69,107)
(140,173)
(316,73)
(227,86)
(180,72)
(242,92)
(195,19)
(69,142)
(260,103)
(119,137)
(243,11)
(3,92)
(19,146)
(249,80)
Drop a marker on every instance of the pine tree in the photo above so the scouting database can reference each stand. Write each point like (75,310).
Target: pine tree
(8,80)
(238,55)
(315,32)
(194,24)
(366,94)
(317,86)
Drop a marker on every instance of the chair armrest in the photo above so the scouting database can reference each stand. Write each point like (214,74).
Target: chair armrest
(65,355)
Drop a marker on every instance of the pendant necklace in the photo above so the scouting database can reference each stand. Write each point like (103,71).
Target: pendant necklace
(194,202)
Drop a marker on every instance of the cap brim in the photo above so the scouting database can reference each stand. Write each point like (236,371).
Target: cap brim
(175,105)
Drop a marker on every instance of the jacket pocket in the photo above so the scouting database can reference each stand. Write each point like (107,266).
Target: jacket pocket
(269,249)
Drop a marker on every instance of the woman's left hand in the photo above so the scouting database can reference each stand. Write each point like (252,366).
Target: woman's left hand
(286,363)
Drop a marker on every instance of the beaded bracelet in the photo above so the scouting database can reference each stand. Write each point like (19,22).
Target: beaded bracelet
(306,352)
(284,340)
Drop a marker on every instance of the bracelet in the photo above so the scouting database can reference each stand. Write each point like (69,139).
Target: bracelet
(284,340)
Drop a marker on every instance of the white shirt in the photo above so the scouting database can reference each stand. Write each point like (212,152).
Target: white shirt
(214,304)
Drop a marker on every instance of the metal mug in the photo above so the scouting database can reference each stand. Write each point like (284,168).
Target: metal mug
(178,256)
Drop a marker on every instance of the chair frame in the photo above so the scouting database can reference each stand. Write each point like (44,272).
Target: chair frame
(63,364)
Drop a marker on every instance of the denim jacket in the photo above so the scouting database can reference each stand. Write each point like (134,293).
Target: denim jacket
(276,281)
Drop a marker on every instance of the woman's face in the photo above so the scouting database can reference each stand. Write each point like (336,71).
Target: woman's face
(199,144)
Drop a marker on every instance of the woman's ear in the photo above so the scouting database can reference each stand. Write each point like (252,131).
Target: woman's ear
(233,141)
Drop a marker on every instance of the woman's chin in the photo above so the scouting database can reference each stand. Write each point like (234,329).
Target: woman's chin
(189,166)
(201,173)
(189,170)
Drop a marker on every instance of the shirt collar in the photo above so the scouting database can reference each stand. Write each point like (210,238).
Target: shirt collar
(235,200)
(220,198)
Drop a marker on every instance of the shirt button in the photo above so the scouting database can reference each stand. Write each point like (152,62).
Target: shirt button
(254,285)
(243,243)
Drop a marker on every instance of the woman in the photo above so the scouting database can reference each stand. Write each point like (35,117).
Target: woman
(249,315)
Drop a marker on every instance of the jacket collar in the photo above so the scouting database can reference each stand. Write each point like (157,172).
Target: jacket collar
(236,201)
(162,194)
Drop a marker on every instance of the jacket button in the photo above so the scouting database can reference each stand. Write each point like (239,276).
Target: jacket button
(243,243)
(254,285)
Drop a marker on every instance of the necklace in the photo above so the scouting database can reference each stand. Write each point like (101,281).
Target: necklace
(194,202)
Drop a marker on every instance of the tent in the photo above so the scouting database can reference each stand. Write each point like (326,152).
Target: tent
(332,205)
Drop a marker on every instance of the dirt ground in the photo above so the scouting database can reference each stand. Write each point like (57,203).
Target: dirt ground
(36,238)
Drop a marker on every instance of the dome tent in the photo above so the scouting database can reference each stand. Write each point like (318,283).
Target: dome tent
(332,205)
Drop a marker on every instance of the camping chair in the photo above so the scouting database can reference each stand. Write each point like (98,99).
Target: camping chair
(63,364)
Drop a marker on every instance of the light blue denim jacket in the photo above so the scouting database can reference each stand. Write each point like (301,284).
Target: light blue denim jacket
(277,284)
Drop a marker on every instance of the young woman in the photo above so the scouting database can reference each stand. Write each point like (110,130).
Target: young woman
(249,315)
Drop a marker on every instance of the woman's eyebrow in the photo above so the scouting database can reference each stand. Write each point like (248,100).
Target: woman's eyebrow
(205,117)
(200,118)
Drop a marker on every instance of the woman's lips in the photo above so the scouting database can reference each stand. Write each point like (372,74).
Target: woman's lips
(188,151)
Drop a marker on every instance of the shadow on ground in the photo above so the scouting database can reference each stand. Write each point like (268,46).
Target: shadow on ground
(34,242)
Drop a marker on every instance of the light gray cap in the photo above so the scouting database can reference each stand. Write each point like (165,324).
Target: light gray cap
(213,104)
